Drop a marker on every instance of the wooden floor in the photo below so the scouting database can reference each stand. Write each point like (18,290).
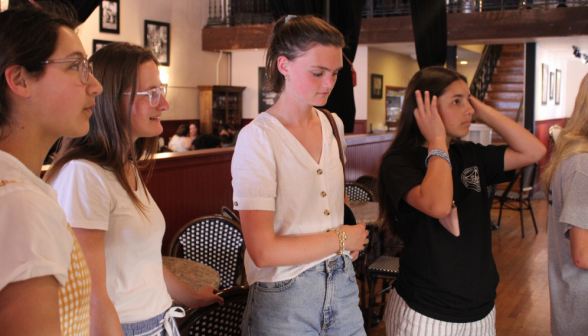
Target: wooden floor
(522,303)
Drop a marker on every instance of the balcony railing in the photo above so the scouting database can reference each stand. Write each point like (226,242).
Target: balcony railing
(246,12)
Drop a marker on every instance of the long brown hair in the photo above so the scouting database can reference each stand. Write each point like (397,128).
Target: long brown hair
(573,139)
(434,79)
(109,142)
(293,38)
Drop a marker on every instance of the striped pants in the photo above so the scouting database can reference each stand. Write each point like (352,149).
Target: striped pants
(401,320)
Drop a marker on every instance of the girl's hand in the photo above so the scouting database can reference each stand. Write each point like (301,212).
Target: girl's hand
(481,109)
(428,119)
(356,236)
(207,296)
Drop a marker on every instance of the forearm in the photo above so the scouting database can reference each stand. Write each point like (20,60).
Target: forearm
(103,316)
(178,290)
(579,246)
(526,148)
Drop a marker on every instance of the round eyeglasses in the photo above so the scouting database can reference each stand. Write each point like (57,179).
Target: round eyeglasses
(154,94)
(85,68)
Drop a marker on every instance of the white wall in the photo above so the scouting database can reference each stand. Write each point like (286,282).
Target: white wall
(244,69)
(549,111)
(189,65)
(575,72)
(360,64)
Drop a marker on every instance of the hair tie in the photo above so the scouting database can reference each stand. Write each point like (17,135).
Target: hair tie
(288,18)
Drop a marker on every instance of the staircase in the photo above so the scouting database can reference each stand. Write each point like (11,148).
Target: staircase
(506,89)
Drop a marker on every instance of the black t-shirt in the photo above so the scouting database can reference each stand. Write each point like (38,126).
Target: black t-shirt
(444,277)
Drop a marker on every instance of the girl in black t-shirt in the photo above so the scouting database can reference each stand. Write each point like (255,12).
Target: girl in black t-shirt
(433,194)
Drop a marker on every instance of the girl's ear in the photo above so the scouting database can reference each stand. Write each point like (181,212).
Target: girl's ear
(18,80)
(283,64)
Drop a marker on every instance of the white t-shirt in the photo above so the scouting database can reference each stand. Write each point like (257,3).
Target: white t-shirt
(34,239)
(175,144)
(93,199)
(272,171)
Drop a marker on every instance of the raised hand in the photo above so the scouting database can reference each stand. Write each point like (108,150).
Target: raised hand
(428,118)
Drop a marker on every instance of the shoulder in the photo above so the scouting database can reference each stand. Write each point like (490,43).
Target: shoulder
(260,129)
(395,158)
(577,163)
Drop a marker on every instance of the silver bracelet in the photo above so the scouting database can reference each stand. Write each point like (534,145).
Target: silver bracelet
(438,152)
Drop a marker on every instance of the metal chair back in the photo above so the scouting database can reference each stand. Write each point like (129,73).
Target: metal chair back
(358,192)
(226,212)
(214,241)
(370,182)
(216,320)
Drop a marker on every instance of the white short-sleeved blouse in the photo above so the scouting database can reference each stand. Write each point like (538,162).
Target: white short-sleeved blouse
(272,171)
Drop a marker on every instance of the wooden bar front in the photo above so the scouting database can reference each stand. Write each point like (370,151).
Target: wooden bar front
(197,183)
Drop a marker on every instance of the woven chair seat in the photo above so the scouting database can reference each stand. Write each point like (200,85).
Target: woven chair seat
(358,192)
(386,264)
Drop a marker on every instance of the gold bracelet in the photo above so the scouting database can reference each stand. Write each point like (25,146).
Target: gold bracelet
(342,237)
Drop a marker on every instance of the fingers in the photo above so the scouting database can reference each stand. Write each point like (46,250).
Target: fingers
(427,103)
(220,300)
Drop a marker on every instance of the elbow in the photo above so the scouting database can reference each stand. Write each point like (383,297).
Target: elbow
(440,210)
(539,153)
(581,263)
(260,259)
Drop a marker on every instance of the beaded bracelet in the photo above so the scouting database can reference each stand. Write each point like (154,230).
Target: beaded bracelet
(438,152)
(342,237)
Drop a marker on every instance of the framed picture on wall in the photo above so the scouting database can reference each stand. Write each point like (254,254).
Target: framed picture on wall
(266,97)
(110,16)
(99,44)
(544,84)
(157,40)
(551,85)
(557,86)
(377,86)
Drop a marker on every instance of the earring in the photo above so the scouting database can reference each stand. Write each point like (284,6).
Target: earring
(287,78)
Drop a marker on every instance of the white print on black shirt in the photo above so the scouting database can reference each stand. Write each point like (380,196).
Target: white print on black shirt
(471,178)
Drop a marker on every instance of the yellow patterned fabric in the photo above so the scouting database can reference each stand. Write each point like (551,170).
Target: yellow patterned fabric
(74,297)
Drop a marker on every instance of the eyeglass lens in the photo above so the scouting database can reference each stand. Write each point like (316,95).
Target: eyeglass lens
(155,95)
(85,68)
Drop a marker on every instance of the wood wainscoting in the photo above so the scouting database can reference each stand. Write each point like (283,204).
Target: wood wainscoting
(192,184)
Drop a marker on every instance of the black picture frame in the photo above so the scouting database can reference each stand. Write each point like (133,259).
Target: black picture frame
(544,84)
(266,97)
(377,86)
(156,38)
(551,85)
(110,16)
(99,44)
(557,86)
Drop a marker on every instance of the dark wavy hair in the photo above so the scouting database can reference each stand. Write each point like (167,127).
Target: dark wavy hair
(434,79)
(109,142)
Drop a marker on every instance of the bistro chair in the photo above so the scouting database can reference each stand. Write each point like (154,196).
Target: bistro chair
(226,212)
(369,182)
(385,268)
(358,192)
(554,131)
(214,241)
(521,197)
(215,319)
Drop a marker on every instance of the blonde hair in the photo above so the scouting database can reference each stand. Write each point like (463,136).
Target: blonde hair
(573,139)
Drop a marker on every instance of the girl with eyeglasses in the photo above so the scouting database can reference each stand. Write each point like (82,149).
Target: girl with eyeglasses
(46,91)
(100,187)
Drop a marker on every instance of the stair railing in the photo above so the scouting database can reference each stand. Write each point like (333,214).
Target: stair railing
(485,70)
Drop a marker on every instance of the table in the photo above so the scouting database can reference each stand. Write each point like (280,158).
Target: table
(194,274)
(366,212)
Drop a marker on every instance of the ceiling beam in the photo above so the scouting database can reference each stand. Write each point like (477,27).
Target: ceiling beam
(481,26)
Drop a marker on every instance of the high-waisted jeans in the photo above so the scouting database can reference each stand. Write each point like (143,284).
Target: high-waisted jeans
(323,300)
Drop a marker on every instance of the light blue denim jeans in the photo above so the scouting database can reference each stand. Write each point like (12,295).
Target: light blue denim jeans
(323,300)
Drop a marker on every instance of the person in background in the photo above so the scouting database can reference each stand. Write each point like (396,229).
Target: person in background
(433,194)
(103,193)
(45,282)
(234,133)
(566,182)
(206,141)
(225,141)
(193,132)
(288,186)
(181,142)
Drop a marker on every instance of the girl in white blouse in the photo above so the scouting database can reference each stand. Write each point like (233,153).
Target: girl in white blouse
(289,188)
